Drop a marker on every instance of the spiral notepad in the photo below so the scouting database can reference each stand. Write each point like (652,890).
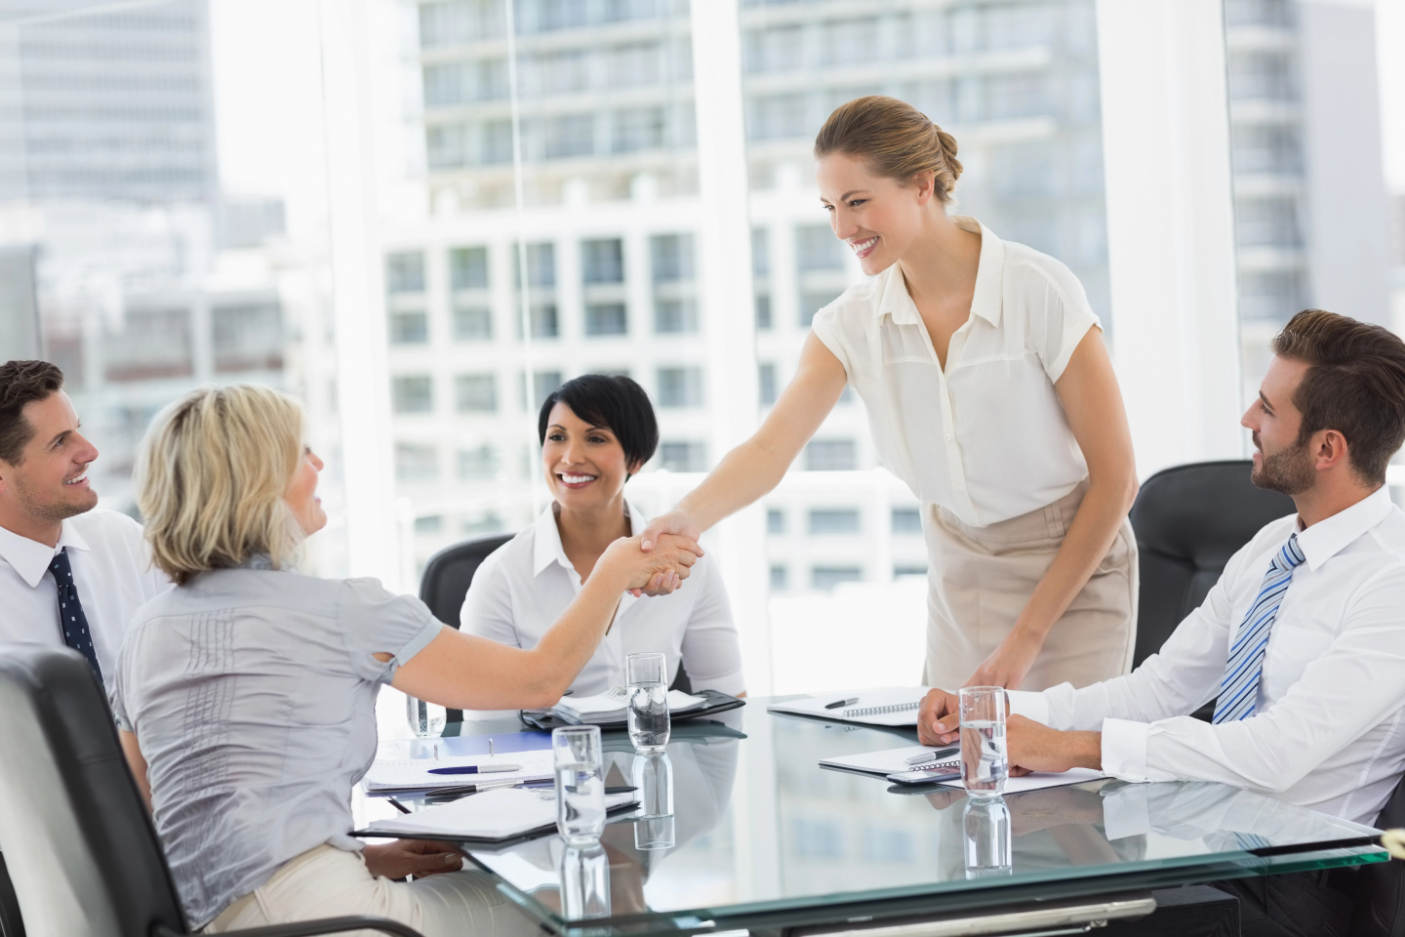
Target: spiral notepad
(880,710)
(884,706)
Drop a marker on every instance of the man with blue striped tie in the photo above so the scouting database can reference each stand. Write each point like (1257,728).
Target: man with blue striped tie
(1302,640)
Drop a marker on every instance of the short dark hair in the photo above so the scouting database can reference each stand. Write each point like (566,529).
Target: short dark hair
(614,402)
(22,382)
(1355,384)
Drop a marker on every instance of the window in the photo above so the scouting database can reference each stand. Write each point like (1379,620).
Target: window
(468,268)
(671,257)
(637,63)
(913,570)
(431,524)
(816,248)
(834,521)
(812,301)
(605,319)
(473,324)
(825,578)
(603,261)
(831,455)
(760,252)
(638,128)
(477,393)
(543,383)
(409,328)
(248,337)
(544,320)
(570,135)
(481,524)
(766,381)
(775,521)
(412,394)
(907,521)
(541,265)
(404,273)
(680,387)
(763,313)
(478,464)
(779,578)
(414,463)
(675,316)
(683,456)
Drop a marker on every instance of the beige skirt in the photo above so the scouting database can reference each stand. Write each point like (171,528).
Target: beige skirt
(981,578)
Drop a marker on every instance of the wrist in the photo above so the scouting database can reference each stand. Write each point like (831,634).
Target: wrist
(1027,630)
(1088,751)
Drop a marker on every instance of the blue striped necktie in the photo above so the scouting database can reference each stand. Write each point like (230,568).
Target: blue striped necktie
(1239,691)
(71,617)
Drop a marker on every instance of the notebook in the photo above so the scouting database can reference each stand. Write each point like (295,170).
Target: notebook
(897,760)
(413,774)
(887,706)
(491,816)
(611,706)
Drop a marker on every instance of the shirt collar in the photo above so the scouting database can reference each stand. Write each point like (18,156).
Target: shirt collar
(546,537)
(1331,535)
(30,558)
(895,301)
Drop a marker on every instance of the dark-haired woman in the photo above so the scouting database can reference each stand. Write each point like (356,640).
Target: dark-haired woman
(989,391)
(596,431)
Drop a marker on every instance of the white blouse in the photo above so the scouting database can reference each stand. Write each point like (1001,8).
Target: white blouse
(525,585)
(988,438)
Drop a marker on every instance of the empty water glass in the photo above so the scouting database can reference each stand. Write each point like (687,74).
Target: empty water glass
(426,719)
(984,762)
(988,844)
(585,883)
(653,778)
(580,784)
(646,675)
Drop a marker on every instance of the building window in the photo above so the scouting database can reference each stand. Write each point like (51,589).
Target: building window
(683,456)
(675,316)
(760,252)
(404,273)
(671,256)
(409,328)
(780,578)
(478,464)
(766,382)
(541,265)
(816,248)
(834,521)
(812,301)
(915,570)
(473,324)
(603,261)
(544,320)
(412,394)
(570,135)
(680,387)
(831,455)
(432,524)
(605,319)
(638,128)
(482,524)
(775,521)
(468,268)
(416,463)
(477,393)
(543,383)
(763,313)
(825,578)
(907,521)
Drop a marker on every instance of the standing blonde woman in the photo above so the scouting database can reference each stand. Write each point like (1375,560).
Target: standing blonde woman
(246,694)
(989,391)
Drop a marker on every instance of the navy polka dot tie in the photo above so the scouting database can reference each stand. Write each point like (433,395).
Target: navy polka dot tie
(71,617)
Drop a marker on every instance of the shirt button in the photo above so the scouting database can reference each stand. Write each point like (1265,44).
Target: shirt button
(948,437)
(960,489)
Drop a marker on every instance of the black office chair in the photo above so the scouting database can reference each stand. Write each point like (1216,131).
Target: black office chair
(1189,520)
(11,924)
(92,862)
(447,577)
(1378,889)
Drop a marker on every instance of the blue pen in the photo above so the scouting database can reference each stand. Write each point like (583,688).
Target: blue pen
(475,769)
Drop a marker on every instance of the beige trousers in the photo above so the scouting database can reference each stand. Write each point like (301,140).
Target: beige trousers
(331,882)
(981,578)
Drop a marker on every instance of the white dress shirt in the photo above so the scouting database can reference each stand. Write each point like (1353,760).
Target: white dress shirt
(987,438)
(525,585)
(111,568)
(1329,732)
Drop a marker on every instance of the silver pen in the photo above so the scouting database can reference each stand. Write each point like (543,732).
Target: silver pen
(925,757)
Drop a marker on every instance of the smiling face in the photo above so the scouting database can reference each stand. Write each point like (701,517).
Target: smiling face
(585,464)
(302,494)
(876,216)
(51,482)
(1282,462)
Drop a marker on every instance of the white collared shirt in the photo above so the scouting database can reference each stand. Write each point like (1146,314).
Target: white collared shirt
(111,568)
(1330,728)
(987,438)
(525,585)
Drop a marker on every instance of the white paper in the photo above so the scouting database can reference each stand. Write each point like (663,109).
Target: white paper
(610,706)
(901,703)
(491,815)
(1040,780)
(413,774)
(894,760)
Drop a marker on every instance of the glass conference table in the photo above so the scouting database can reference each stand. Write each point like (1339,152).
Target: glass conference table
(763,838)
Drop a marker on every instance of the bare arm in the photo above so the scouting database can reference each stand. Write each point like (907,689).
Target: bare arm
(137,764)
(1093,403)
(464,671)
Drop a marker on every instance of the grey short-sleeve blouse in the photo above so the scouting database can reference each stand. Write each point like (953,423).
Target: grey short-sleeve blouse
(252,693)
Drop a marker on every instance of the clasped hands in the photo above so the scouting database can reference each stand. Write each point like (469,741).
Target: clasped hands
(1031,746)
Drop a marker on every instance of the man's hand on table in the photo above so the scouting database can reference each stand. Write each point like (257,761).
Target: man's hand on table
(1032,746)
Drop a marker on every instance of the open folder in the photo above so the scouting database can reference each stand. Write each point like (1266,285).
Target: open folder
(490,817)
(887,706)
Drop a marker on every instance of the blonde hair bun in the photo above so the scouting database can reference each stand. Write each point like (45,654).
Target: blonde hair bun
(897,139)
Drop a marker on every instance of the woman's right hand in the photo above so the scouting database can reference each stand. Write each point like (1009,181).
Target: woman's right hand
(668,562)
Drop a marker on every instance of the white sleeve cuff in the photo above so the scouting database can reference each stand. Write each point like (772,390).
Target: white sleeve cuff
(1124,749)
(729,683)
(1030,705)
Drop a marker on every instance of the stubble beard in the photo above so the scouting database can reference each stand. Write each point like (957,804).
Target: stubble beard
(1288,471)
(67,505)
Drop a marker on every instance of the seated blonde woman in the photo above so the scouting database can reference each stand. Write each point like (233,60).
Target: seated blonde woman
(246,694)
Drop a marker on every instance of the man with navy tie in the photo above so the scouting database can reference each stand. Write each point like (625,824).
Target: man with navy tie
(1301,642)
(69,575)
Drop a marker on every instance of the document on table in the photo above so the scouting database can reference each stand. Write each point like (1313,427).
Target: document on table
(491,816)
(885,706)
(897,760)
(612,705)
(1040,780)
(414,774)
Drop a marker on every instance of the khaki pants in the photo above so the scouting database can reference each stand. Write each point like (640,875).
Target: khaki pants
(981,578)
(330,882)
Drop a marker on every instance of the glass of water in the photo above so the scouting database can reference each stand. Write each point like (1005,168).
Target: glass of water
(647,678)
(984,762)
(653,777)
(426,719)
(987,837)
(585,882)
(580,784)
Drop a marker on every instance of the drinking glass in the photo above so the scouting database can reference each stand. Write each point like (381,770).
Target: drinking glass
(580,784)
(585,882)
(653,777)
(988,845)
(647,677)
(426,719)
(984,762)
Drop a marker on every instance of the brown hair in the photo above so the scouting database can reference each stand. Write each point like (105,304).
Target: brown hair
(22,382)
(896,138)
(1355,385)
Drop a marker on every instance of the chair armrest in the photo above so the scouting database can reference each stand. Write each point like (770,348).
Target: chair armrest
(326,925)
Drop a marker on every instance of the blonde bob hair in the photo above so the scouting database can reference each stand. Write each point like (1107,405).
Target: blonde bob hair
(211,477)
